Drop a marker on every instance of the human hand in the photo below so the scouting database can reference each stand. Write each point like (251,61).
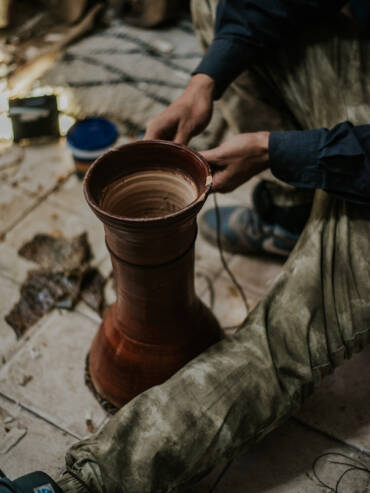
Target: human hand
(237,160)
(188,115)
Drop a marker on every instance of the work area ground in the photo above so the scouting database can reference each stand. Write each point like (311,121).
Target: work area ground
(127,75)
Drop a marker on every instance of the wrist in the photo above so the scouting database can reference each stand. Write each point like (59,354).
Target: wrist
(262,143)
(202,83)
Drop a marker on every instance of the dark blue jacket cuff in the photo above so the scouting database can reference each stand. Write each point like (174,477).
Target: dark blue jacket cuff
(336,160)
(224,60)
(294,156)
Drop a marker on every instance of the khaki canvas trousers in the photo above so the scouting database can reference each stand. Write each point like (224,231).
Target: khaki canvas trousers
(316,314)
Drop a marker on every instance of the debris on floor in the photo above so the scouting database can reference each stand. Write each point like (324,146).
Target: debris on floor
(64,277)
(90,425)
(35,38)
(11,431)
(56,253)
(92,289)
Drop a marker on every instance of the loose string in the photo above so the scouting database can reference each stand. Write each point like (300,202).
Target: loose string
(354,465)
(232,329)
(233,279)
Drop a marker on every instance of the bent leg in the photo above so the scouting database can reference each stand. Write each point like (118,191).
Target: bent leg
(316,314)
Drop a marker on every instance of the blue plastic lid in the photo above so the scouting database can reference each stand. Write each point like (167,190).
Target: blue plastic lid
(92,133)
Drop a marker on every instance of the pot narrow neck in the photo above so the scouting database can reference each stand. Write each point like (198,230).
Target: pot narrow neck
(151,246)
(156,304)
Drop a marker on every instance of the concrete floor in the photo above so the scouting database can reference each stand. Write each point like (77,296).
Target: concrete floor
(44,403)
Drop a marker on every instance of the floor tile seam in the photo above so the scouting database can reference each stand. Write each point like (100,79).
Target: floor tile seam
(15,280)
(246,283)
(246,286)
(260,256)
(35,331)
(89,317)
(65,208)
(3,170)
(38,415)
(38,201)
(83,315)
(23,340)
(20,344)
(6,276)
(332,437)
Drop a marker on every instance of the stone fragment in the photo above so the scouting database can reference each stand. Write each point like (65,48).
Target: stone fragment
(64,276)
(11,431)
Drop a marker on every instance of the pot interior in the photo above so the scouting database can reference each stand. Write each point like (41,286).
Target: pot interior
(151,193)
(147,180)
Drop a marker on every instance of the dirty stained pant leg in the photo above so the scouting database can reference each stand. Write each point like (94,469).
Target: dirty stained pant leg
(316,314)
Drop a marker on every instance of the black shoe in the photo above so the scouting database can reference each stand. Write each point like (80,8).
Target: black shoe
(34,482)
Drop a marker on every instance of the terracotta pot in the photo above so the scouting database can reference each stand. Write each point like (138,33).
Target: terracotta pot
(148,195)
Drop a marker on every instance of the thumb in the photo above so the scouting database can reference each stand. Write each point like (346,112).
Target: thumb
(219,181)
(149,134)
(212,156)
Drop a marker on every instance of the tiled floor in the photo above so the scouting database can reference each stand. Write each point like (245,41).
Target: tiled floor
(44,403)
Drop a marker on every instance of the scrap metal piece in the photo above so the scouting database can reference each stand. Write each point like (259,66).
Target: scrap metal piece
(64,264)
(92,289)
(41,292)
(57,253)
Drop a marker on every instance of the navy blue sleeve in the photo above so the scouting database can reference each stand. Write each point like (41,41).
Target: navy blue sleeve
(336,160)
(246,29)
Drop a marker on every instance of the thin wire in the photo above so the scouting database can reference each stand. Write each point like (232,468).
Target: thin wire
(341,477)
(241,292)
(350,467)
(234,328)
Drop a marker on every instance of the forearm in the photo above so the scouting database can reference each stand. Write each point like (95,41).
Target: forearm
(336,160)
(247,30)
(201,85)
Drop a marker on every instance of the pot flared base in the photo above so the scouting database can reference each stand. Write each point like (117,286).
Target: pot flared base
(121,368)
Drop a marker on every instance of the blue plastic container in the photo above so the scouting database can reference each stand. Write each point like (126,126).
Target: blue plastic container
(88,139)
